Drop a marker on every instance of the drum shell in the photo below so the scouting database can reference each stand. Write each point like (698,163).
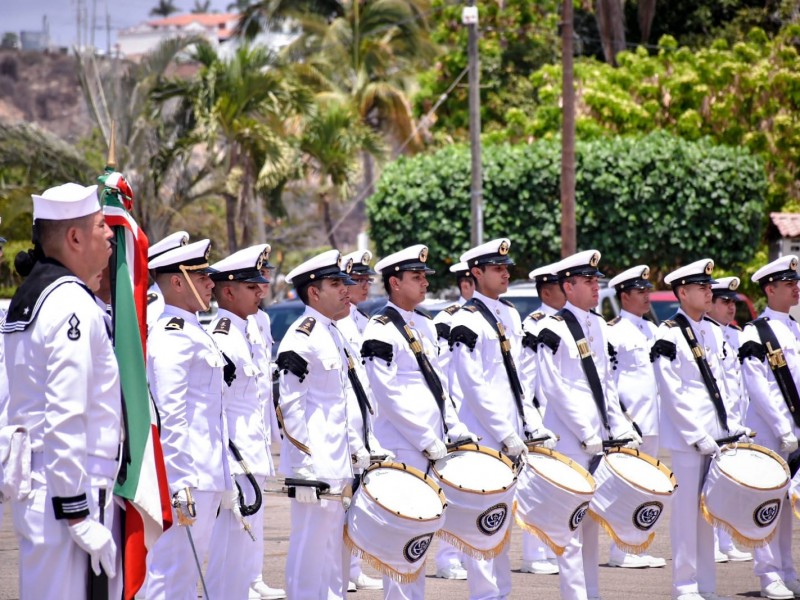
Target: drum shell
(548,509)
(393,544)
(628,510)
(477,521)
(749,513)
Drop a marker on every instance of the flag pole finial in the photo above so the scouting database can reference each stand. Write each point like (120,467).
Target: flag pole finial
(111,162)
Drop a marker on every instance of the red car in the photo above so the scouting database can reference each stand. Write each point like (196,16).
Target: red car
(664,305)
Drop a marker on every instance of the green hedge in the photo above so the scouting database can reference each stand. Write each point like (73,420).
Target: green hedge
(655,199)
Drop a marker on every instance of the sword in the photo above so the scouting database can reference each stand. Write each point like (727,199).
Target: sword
(290,485)
(186,520)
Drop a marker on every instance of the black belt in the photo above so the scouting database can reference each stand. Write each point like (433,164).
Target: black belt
(780,370)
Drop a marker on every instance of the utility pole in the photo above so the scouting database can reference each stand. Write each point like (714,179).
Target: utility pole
(469,17)
(568,234)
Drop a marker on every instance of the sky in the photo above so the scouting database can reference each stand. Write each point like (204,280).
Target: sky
(19,15)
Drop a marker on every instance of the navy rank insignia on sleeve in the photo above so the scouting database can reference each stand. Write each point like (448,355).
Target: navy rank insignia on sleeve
(223,326)
(174,323)
(307,325)
(73,332)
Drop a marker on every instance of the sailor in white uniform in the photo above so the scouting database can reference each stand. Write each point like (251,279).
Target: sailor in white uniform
(65,390)
(155,299)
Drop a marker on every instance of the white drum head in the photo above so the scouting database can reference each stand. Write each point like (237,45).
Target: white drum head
(559,472)
(640,472)
(402,493)
(752,468)
(476,471)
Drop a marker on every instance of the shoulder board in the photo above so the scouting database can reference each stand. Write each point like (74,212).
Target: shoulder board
(362,312)
(469,307)
(451,310)
(152,297)
(536,316)
(174,323)
(423,313)
(557,317)
(614,321)
(712,321)
(223,326)
(669,323)
(506,302)
(382,319)
(734,326)
(307,325)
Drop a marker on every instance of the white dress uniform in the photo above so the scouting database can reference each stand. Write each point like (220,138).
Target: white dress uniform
(688,419)
(574,416)
(409,420)
(155,299)
(769,416)
(313,410)
(65,389)
(185,373)
(3,392)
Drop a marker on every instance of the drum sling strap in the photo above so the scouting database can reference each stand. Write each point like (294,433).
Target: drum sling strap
(431,378)
(779,368)
(589,368)
(508,360)
(705,370)
(361,396)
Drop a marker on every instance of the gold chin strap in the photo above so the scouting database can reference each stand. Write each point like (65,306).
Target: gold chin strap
(185,271)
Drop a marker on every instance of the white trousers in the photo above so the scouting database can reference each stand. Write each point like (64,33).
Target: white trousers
(51,565)
(314,569)
(171,568)
(447,555)
(692,538)
(534,549)
(489,579)
(578,566)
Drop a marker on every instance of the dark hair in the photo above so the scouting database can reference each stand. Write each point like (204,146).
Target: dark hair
(302,291)
(386,285)
(563,280)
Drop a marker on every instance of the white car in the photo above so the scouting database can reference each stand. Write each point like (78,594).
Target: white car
(522,294)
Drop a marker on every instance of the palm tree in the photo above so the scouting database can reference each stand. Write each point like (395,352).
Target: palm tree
(333,141)
(201,7)
(238,6)
(164,8)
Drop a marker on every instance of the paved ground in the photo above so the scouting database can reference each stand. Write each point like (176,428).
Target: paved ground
(734,579)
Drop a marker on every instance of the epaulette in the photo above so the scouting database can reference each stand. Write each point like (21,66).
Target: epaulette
(669,323)
(506,302)
(461,334)
(443,331)
(307,325)
(614,321)
(362,312)
(557,317)
(292,362)
(612,356)
(734,326)
(223,326)
(536,316)
(152,297)
(469,307)
(754,349)
(549,338)
(382,319)
(451,310)
(174,323)
(372,349)
(663,348)
(423,313)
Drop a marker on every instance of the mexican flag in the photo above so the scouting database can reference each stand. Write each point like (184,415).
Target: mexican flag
(143,478)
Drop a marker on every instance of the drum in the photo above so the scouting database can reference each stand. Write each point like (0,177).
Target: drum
(633,489)
(553,494)
(478,483)
(743,491)
(794,494)
(392,519)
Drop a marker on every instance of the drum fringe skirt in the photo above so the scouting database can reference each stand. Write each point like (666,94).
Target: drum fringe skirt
(472,551)
(735,535)
(625,547)
(533,530)
(379,565)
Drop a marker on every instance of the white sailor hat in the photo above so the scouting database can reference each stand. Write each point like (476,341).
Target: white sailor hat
(490,253)
(546,274)
(173,240)
(244,265)
(412,258)
(191,257)
(697,272)
(633,278)
(328,265)
(361,260)
(63,202)
(725,287)
(582,264)
(460,269)
(782,269)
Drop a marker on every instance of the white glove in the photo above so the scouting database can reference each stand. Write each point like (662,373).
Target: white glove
(361,459)
(788,443)
(636,439)
(460,433)
(551,440)
(744,435)
(384,452)
(515,445)
(707,447)
(306,494)
(96,541)
(436,450)
(593,445)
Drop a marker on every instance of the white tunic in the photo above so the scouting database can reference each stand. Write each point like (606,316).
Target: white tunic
(529,358)
(184,369)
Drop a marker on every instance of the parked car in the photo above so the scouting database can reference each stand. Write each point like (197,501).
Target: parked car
(523,296)
(664,305)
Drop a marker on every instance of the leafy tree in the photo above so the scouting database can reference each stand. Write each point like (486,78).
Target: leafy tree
(164,8)
(10,40)
(745,95)
(201,7)
(655,199)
